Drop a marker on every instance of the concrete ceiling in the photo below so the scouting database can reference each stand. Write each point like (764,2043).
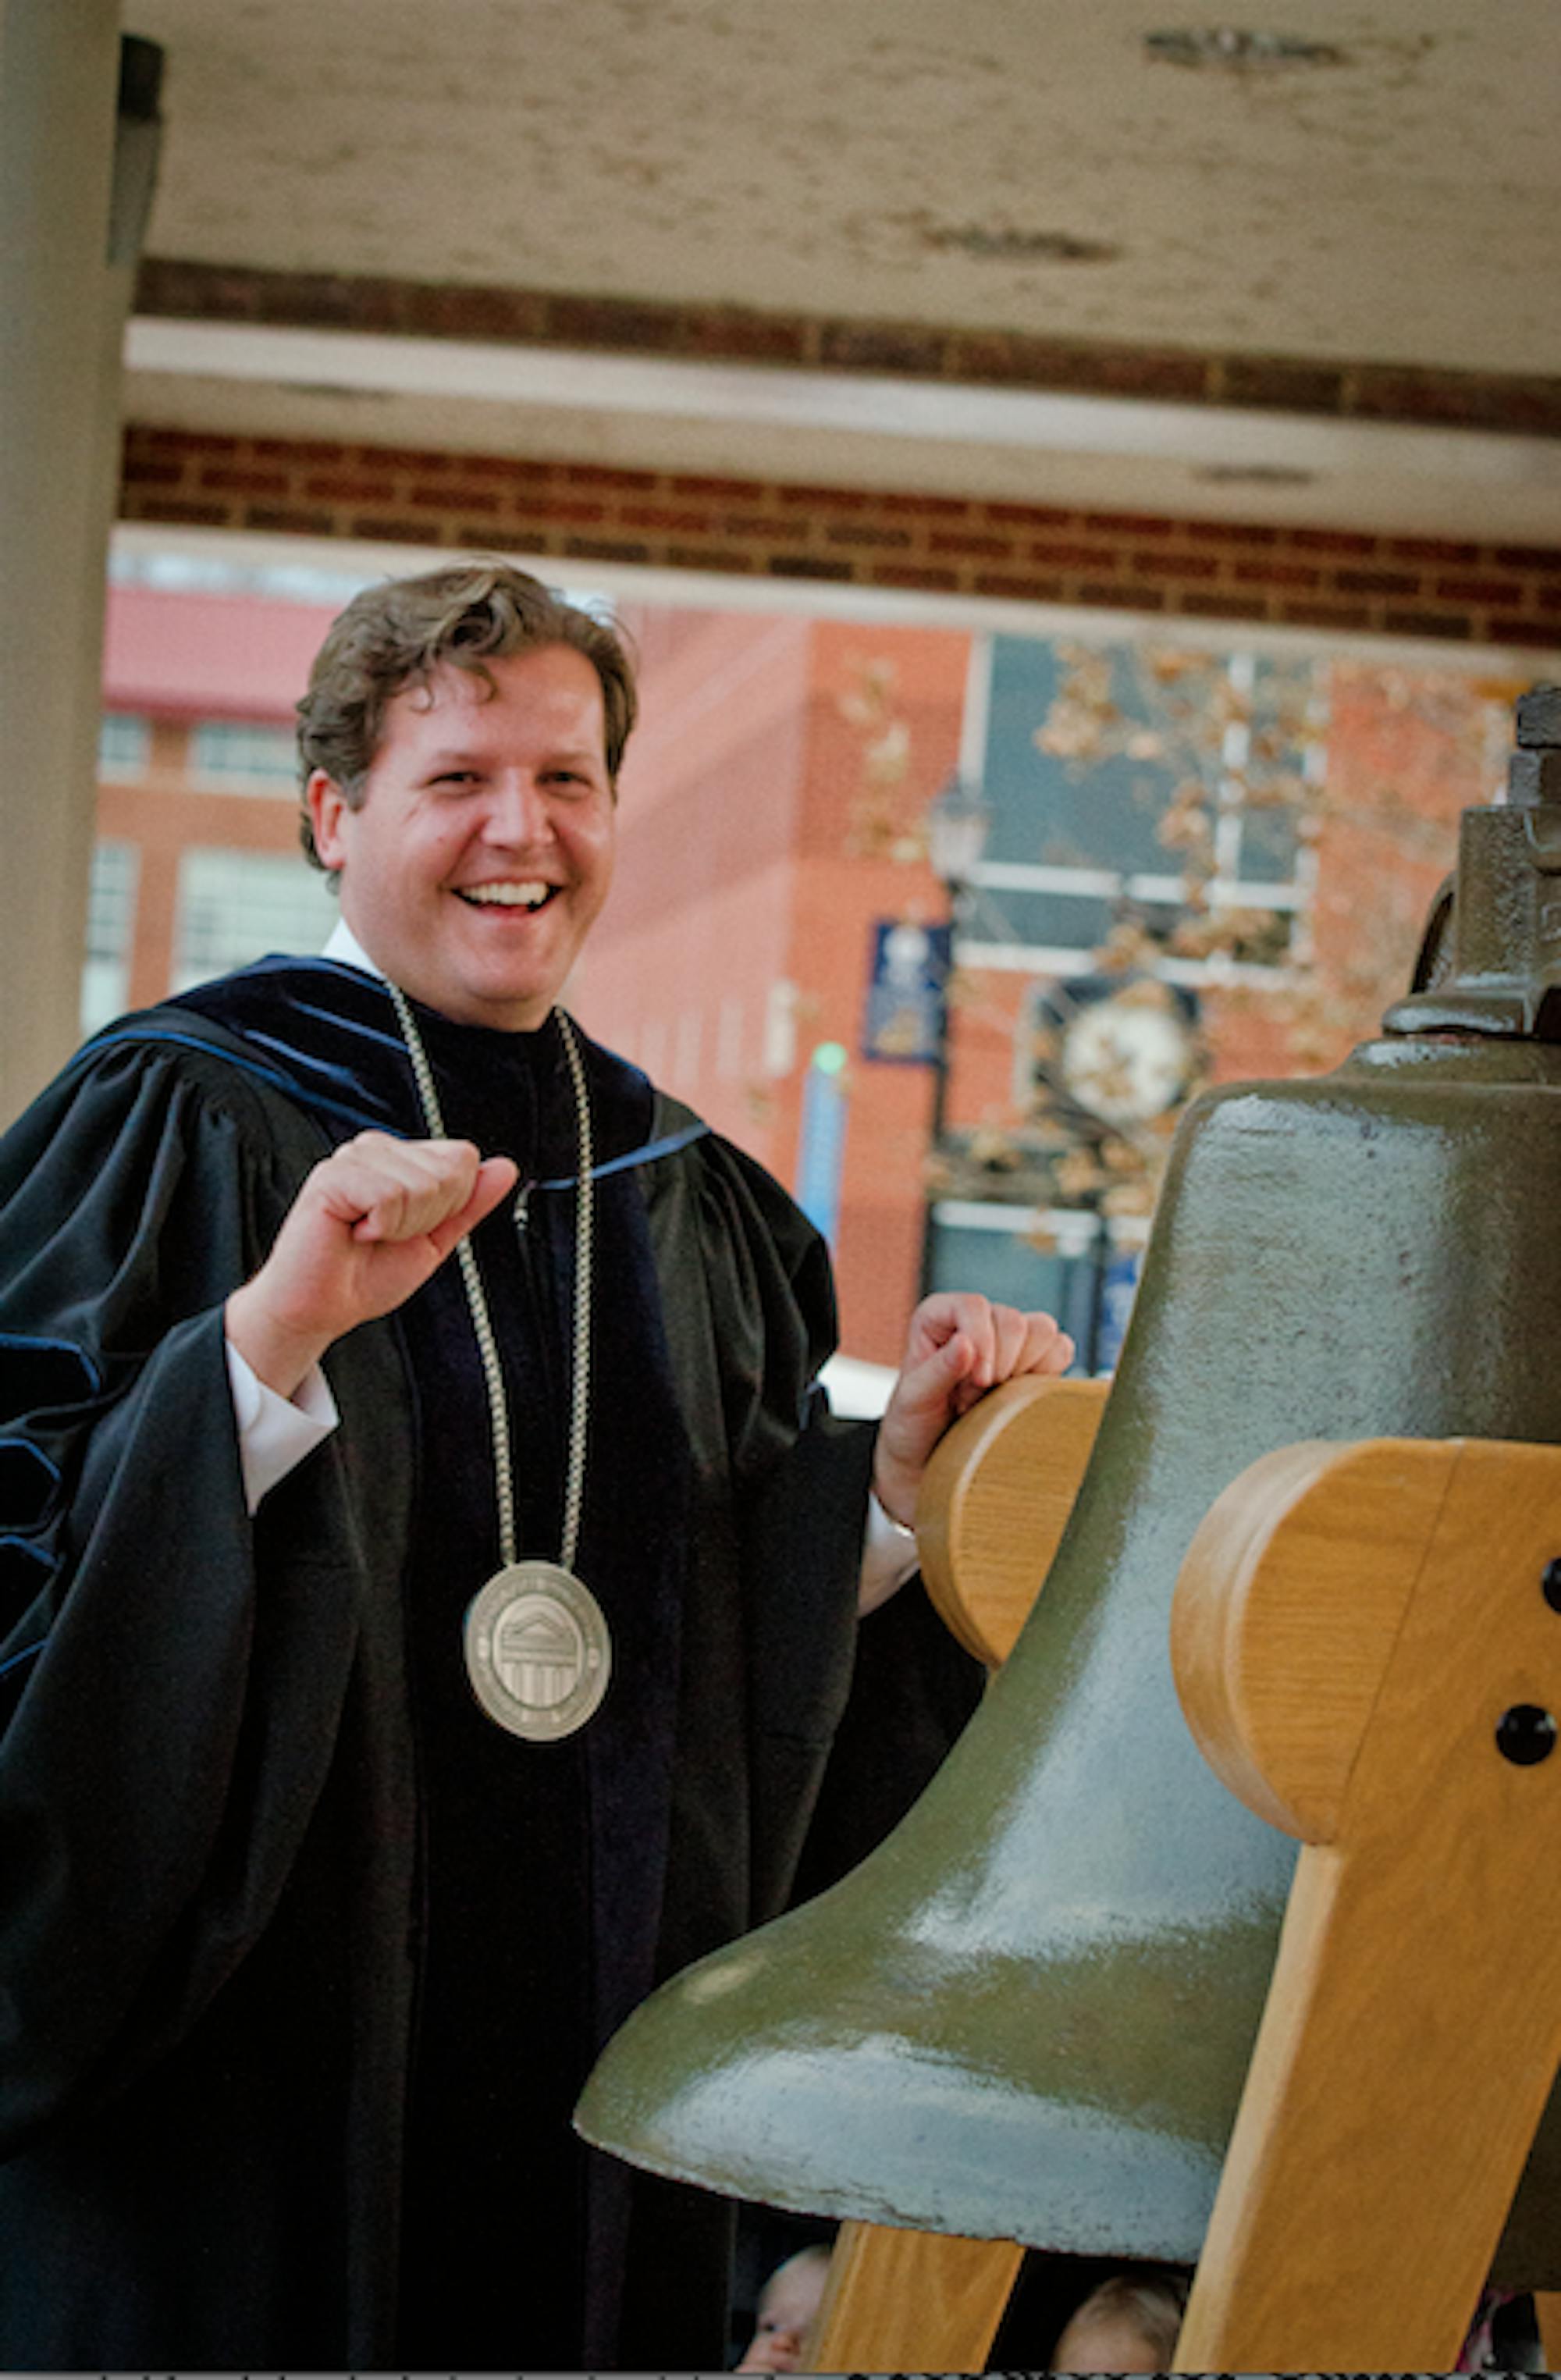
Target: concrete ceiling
(1036,168)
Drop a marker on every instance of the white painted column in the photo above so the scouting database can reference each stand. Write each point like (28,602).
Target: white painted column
(58,419)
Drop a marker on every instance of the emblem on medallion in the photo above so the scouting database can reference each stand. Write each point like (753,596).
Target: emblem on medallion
(537,1651)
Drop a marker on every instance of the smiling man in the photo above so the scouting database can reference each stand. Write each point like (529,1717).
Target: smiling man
(484,854)
(430,1577)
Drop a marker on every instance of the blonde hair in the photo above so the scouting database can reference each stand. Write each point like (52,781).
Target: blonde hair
(1153,2302)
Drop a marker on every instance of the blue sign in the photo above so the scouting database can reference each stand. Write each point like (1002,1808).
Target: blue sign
(1117,1291)
(906,1020)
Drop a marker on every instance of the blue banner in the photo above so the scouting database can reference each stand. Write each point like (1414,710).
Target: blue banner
(907,989)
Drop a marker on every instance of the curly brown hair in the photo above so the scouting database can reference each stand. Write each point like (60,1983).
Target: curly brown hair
(397,634)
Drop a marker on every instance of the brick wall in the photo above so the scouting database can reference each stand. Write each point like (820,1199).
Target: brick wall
(1319,578)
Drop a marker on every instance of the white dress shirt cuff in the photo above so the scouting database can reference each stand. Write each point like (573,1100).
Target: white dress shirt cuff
(889,1557)
(275,1433)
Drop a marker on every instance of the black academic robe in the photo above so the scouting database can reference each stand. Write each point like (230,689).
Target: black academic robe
(302,1960)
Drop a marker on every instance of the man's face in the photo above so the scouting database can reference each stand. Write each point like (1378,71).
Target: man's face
(482,850)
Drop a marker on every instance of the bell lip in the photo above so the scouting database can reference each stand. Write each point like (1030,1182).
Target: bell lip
(898,2210)
(755,2106)
(843,2205)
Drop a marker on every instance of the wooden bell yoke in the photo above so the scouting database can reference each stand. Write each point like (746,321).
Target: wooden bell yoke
(1367,1645)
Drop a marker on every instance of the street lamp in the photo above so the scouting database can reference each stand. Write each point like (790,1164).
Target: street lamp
(957,820)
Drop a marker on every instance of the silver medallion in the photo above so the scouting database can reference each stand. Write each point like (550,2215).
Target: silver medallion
(538,1652)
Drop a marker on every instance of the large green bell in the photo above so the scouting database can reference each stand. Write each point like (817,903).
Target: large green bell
(1029,2014)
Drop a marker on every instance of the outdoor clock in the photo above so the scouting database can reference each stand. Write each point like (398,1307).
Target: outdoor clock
(1125,1048)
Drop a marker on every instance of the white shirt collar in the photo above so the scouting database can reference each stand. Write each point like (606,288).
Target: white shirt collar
(344,945)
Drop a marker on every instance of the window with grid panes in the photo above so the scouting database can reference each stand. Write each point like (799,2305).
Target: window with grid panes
(123,744)
(244,755)
(238,905)
(111,926)
(1075,840)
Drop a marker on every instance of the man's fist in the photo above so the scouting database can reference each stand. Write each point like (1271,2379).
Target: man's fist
(371,1225)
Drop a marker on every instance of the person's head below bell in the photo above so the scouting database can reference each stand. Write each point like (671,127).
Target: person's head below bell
(788,2307)
(1129,2323)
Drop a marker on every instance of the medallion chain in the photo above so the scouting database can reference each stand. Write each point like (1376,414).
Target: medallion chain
(477,1301)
